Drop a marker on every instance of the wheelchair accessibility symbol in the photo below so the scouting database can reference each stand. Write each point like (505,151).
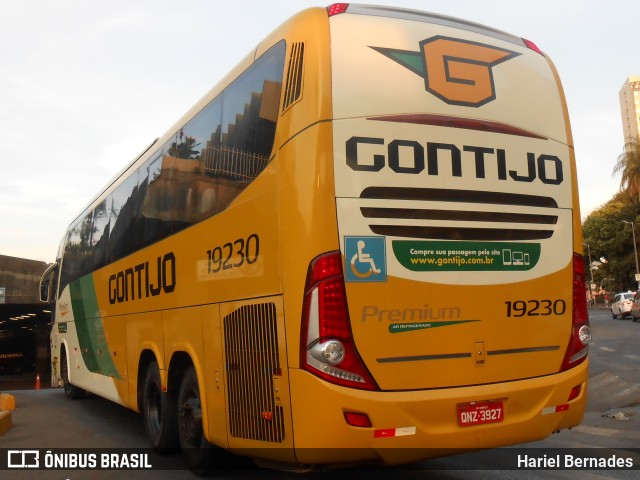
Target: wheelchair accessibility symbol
(366,259)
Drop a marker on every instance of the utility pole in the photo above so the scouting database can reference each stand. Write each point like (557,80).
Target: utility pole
(635,250)
(591,299)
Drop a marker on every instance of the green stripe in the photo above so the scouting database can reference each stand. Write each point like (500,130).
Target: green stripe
(410,327)
(93,341)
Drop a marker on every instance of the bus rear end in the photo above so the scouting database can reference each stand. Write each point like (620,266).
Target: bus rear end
(454,314)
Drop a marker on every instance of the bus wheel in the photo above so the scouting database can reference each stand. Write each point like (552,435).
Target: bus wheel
(159,411)
(70,391)
(202,457)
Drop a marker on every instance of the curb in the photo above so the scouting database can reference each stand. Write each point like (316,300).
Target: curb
(5,421)
(7,403)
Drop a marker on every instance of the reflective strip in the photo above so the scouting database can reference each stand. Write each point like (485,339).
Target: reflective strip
(558,408)
(394,432)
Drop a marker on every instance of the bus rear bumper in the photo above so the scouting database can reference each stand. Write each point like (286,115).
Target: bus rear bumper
(417,425)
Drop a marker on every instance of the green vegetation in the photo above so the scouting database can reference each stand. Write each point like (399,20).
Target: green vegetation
(607,231)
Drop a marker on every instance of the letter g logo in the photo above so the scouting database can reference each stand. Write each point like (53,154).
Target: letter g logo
(459,72)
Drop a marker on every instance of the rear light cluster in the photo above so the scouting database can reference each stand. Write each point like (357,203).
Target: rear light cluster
(580,332)
(532,46)
(337,8)
(327,348)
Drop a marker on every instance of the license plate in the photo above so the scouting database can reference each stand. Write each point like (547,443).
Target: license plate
(480,413)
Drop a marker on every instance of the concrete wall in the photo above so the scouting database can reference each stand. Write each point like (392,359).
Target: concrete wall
(21,279)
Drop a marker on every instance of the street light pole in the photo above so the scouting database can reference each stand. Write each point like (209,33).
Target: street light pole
(635,249)
(591,299)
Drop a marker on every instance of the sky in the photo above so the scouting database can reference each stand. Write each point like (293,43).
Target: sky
(86,85)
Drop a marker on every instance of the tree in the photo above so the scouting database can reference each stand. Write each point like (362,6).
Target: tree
(185,148)
(607,236)
(628,165)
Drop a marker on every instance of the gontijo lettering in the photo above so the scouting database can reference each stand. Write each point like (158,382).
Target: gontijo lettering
(144,280)
(548,169)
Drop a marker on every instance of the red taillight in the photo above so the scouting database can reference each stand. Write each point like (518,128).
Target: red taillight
(327,348)
(532,46)
(575,393)
(580,332)
(337,8)
(357,419)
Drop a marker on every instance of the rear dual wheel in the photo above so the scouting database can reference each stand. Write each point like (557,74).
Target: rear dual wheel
(159,410)
(201,456)
(173,421)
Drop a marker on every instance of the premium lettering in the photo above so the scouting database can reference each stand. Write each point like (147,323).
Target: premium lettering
(421,314)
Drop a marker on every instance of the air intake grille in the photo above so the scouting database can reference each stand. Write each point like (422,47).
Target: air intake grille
(293,88)
(251,348)
(454,214)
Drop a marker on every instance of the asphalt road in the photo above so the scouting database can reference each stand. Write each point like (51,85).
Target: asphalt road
(45,419)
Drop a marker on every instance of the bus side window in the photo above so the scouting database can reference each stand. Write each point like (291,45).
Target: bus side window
(121,207)
(100,235)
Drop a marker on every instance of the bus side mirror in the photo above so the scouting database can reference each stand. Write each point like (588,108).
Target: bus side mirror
(46,282)
(44,290)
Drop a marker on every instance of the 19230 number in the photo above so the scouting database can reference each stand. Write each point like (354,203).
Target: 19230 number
(234,254)
(535,308)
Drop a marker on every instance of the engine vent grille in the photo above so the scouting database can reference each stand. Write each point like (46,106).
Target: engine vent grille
(251,348)
(293,88)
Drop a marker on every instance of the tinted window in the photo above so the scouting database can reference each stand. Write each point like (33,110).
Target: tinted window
(77,253)
(193,176)
(122,205)
(100,235)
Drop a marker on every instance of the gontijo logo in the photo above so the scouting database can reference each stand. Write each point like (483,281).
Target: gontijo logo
(459,72)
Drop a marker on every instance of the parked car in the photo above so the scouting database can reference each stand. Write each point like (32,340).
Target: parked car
(635,307)
(621,306)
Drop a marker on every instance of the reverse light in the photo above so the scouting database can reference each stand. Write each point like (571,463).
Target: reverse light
(327,349)
(337,8)
(580,338)
(332,352)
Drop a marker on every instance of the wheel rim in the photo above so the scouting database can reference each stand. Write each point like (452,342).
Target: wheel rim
(191,420)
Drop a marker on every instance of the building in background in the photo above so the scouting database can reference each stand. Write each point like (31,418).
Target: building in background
(20,279)
(630,108)
(25,323)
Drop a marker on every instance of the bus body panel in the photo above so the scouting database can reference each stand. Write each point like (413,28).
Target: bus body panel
(145,334)
(310,186)
(392,61)
(411,426)
(73,337)
(455,203)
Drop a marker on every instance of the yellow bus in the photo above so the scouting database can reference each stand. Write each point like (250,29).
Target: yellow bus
(362,245)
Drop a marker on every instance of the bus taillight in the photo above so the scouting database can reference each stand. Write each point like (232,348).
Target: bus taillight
(580,332)
(337,8)
(327,346)
(532,46)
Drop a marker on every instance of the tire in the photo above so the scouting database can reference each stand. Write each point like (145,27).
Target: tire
(159,410)
(70,391)
(201,457)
